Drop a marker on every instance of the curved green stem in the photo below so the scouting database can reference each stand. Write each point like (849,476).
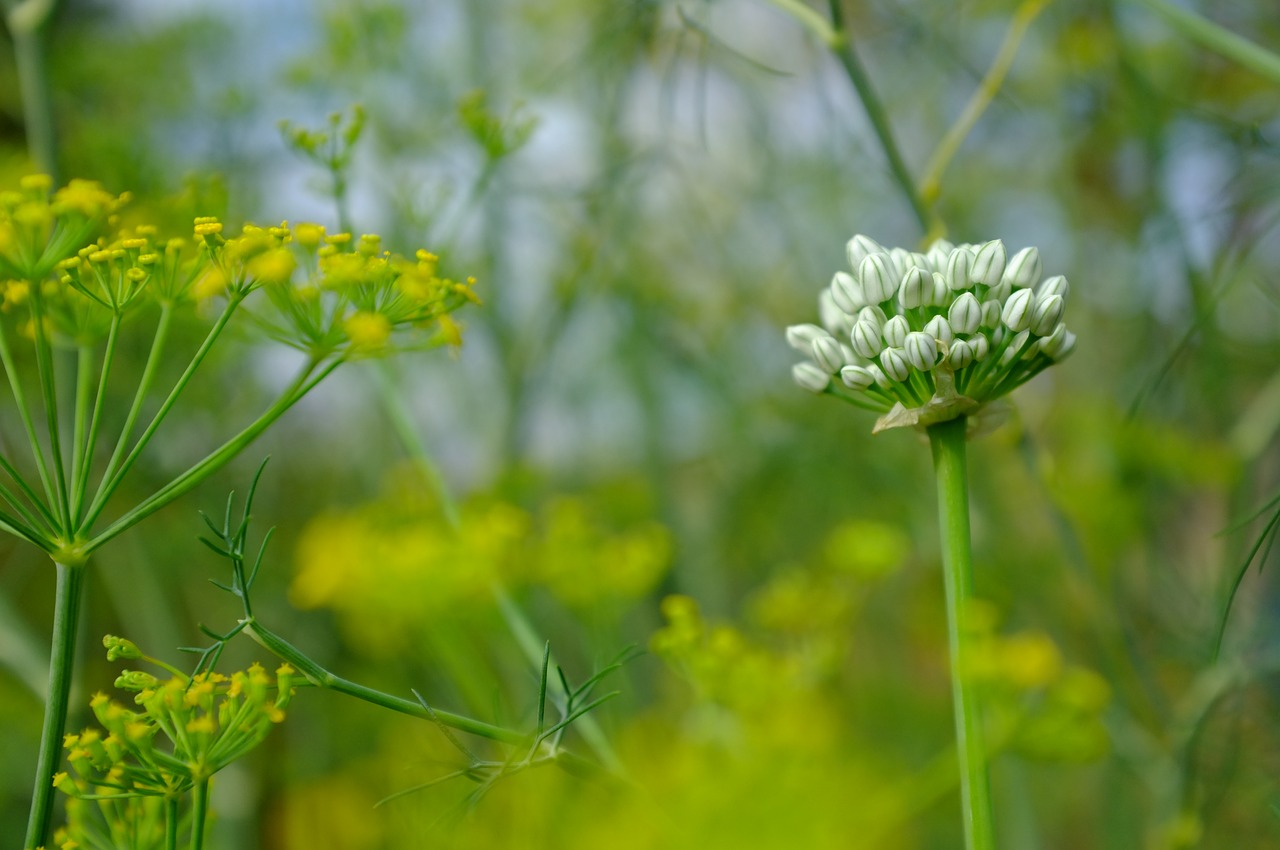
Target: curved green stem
(853,69)
(66,618)
(947,440)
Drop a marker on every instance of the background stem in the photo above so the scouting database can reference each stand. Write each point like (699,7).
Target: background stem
(948,442)
(27,23)
(66,618)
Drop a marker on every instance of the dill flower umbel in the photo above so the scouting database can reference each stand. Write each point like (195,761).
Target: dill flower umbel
(924,338)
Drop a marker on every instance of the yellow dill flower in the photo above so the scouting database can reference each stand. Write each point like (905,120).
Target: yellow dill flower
(15,293)
(308,235)
(367,331)
(209,285)
(86,198)
(273,266)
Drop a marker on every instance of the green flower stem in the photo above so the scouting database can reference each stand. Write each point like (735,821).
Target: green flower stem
(66,617)
(48,390)
(199,813)
(848,59)
(1219,40)
(24,411)
(26,23)
(139,396)
(80,480)
(110,480)
(80,419)
(171,824)
(948,442)
(306,380)
(322,678)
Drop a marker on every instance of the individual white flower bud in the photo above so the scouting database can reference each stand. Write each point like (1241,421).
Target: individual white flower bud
(960,354)
(882,380)
(901,260)
(1047,314)
(1063,351)
(847,293)
(833,318)
(965,315)
(859,248)
(1017,310)
(801,337)
(912,293)
(959,272)
(894,363)
(1015,346)
(941,292)
(866,339)
(1023,269)
(981,348)
(991,314)
(872,313)
(988,266)
(939,253)
(895,331)
(1054,344)
(857,377)
(879,283)
(919,261)
(921,351)
(1001,291)
(810,377)
(1056,285)
(940,329)
(827,354)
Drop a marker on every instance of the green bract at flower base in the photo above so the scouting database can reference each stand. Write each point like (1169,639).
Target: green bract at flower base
(925,338)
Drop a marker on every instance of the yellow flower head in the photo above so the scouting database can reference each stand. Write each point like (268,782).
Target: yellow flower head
(367,331)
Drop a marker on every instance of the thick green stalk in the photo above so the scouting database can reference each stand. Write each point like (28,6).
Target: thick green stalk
(171,824)
(948,442)
(26,22)
(66,618)
(199,812)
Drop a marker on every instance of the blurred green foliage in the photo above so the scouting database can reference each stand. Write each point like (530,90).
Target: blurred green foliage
(648,192)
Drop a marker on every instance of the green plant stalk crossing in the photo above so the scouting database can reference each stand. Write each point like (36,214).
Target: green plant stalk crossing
(947,440)
(66,614)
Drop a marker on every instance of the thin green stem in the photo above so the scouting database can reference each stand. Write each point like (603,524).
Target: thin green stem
(948,443)
(66,619)
(1219,40)
(26,22)
(28,423)
(322,678)
(49,392)
(80,418)
(171,823)
(216,459)
(849,61)
(111,481)
(199,812)
(80,479)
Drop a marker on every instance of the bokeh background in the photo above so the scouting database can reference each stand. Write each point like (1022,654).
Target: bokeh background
(648,193)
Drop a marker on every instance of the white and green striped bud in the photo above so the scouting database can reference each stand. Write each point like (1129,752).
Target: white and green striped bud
(872,313)
(988,266)
(834,319)
(879,283)
(1058,344)
(916,288)
(901,260)
(960,354)
(981,348)
(866,339)
(895,331)
(894,363)
(965,315)
(1023,269)
(860,247)
(1014,351)
(921,351)
(1056,285)
(1017,310)
(940,329)
(810,377)
(827,354)
(857,377)
(941,292)
(882,380)
(939,253)
(991,314)
(959,270)
(1046,315)
(1001,291)
(801,337)
(847,293)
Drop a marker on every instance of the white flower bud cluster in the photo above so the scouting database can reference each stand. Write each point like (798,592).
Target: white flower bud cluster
(947,330)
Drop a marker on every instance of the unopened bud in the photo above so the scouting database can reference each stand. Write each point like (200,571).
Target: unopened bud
(866,339)
(921,351)
(1017,310)
(810,377)
(965,315)
(877,278)
(894,363)
(827,354)
(939,329)
(988,266)
(860,247)
(913,292)
(1046,315)
(1023,269)
(958,274)
(847,293)
(960,354)
(801,337)
(895,331)
(857,377)
(1056,285)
